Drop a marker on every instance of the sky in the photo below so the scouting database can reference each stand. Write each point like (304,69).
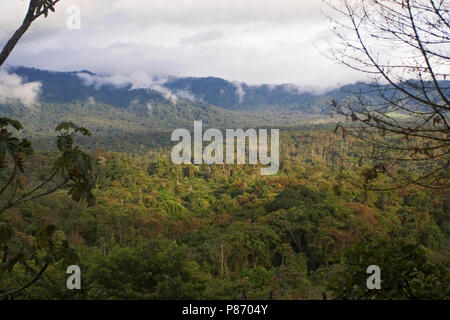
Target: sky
(252,41)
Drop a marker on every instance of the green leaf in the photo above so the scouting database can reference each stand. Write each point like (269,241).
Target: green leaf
(83,131)
(65,126)
(64,142)
(4,122)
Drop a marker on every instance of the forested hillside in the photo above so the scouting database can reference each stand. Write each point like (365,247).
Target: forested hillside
(160,231)
(85,86)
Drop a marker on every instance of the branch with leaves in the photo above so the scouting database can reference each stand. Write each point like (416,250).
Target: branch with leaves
(36,9)
(71,172)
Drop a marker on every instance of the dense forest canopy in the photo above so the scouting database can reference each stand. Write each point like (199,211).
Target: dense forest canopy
(164,231)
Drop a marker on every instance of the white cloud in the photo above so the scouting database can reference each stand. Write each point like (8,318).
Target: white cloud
(217,12)
(99,81)
(167,94)
(137,81)
(13,88)
(185,94)
(240,93)
(300,89)
(245,40)
(202,37)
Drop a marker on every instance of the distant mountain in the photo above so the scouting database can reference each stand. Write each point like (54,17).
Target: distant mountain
(81,86)
(238,96)
(110,106)
(70,87)
(116,112)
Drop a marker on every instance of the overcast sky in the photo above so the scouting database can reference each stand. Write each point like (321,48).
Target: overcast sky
(254,41)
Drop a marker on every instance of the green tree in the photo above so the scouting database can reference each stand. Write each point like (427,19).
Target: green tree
(406,272)
(157,269)
(72,172)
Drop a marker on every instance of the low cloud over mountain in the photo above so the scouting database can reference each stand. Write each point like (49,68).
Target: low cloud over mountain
(14,88)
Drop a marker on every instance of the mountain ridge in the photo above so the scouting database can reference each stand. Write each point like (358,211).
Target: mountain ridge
(69,87)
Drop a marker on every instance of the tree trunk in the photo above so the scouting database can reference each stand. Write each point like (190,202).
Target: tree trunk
(29,18)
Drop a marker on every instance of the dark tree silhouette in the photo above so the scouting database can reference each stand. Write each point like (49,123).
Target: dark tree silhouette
(36,9)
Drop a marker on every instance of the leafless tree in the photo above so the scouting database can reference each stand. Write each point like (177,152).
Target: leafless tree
(36,9)
(404,48)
